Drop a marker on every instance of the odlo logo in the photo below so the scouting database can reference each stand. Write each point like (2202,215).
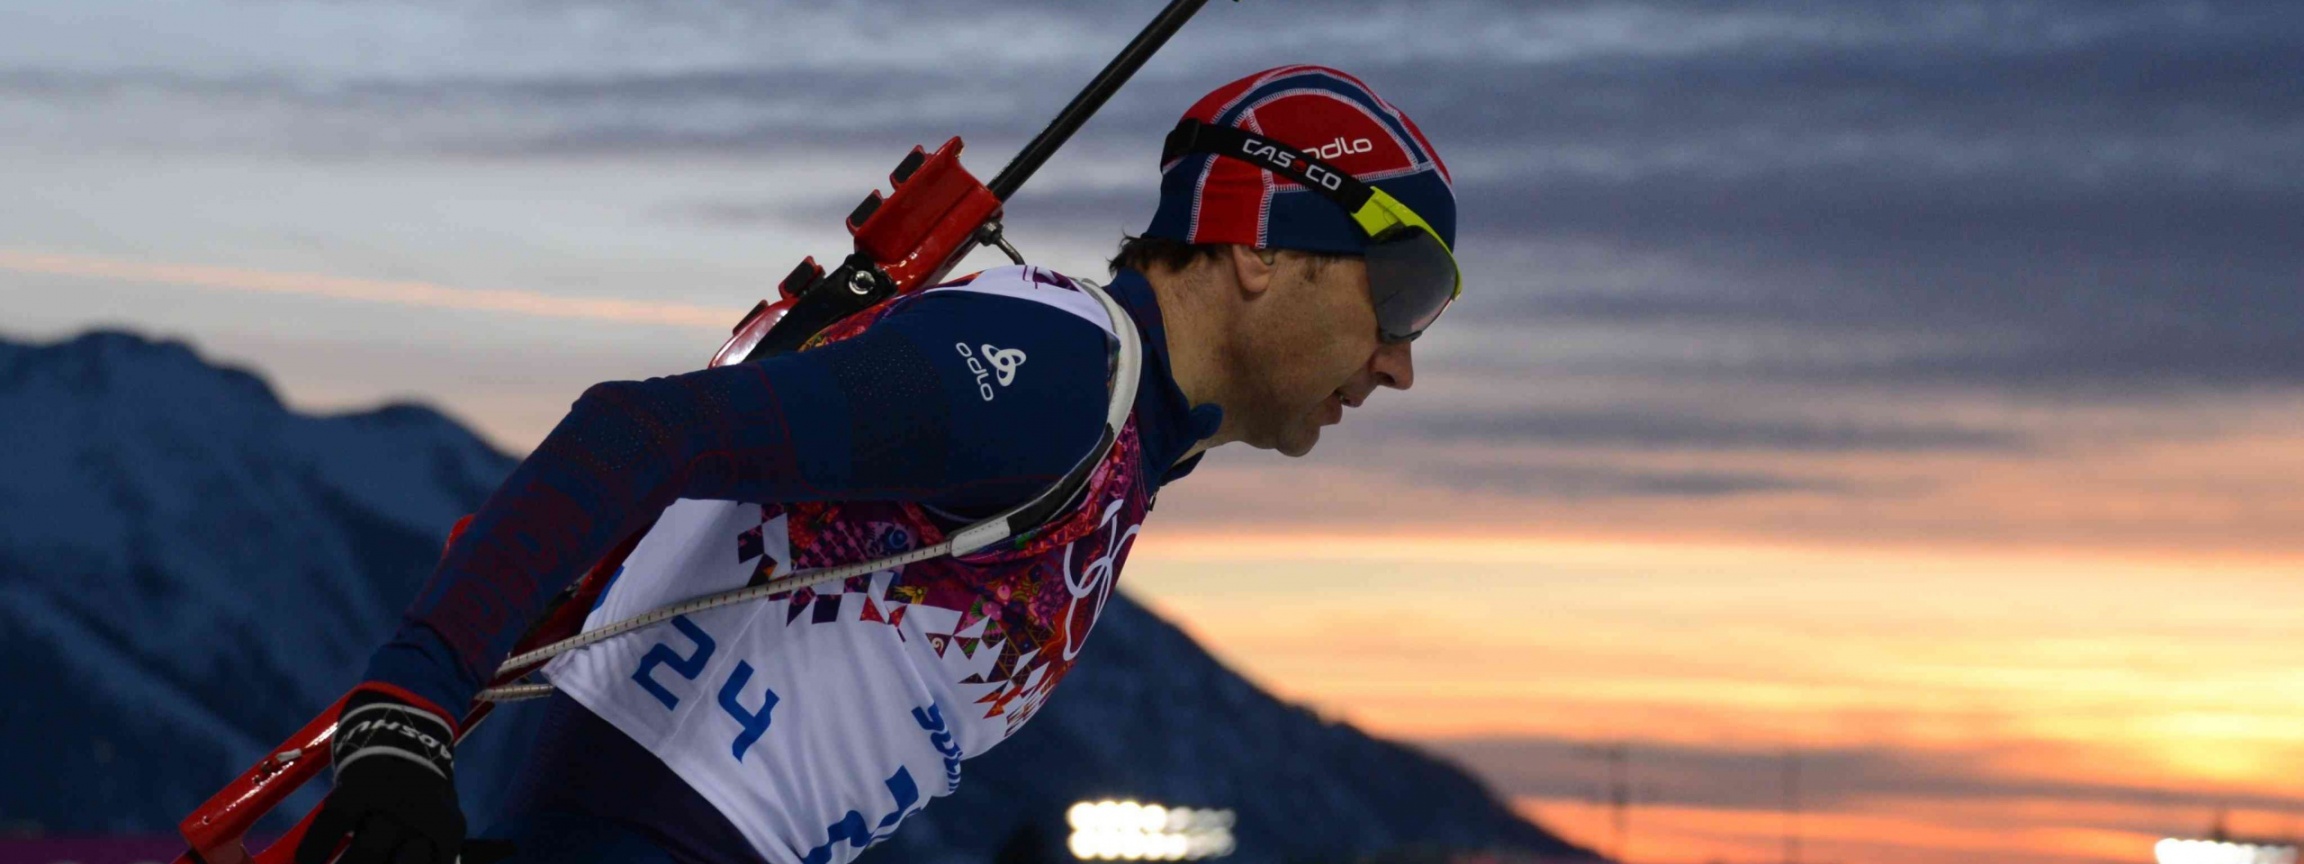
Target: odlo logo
(1340,147)
(1004,362)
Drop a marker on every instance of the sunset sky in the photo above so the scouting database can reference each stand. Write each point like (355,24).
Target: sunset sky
(1904,390)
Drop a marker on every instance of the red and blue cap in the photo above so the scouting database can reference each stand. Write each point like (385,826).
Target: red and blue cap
(1330,115)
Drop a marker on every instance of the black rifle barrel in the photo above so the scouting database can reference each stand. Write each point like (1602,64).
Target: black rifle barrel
(1084,105)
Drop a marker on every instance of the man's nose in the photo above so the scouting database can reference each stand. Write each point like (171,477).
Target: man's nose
(1394,365)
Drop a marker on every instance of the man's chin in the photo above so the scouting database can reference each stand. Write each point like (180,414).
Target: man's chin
(1299,444)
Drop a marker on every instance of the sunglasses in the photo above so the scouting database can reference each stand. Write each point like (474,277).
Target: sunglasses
(1412,274)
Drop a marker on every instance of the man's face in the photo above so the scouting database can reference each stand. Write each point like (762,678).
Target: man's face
(1313,352)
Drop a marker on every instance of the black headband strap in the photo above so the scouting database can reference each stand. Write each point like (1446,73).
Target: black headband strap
(1191,137)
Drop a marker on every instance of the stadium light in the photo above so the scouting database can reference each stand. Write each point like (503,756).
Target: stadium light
(2177,851)
(1112,830)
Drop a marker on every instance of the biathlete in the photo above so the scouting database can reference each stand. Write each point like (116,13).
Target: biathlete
(1303,237)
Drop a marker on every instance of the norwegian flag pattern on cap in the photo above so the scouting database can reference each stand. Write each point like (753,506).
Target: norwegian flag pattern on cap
(1324,112)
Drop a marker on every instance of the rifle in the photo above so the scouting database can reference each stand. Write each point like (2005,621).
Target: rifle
(935,214)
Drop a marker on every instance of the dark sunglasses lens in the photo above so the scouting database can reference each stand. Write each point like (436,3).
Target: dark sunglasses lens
(1413,279)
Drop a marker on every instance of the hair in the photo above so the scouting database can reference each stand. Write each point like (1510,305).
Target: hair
(1145,253)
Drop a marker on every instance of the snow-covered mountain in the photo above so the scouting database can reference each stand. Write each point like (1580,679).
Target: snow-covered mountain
(188,570)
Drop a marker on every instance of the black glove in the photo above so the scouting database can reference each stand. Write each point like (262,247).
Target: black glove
(395,788)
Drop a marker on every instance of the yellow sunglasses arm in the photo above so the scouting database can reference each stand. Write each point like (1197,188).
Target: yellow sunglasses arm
(1374,217)
(1383,211)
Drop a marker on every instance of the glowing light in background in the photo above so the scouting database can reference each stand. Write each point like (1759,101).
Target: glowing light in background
(1133,831)
(2175,851)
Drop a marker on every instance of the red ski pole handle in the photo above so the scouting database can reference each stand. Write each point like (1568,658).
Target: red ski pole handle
(217,829)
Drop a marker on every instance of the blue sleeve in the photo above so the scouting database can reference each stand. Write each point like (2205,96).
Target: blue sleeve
(963,401)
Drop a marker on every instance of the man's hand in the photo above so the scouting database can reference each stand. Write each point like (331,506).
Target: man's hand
(395,789)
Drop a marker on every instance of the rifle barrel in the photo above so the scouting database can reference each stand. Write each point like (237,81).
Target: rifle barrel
(1092,97)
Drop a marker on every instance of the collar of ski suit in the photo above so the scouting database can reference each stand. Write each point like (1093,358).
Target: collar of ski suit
(1167,424)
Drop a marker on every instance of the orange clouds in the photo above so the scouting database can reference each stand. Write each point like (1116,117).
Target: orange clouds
(2208,478)
(1898,831)
(403,293)
(1958,703)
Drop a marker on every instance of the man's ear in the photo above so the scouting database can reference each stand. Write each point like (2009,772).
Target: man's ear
(1253,268)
